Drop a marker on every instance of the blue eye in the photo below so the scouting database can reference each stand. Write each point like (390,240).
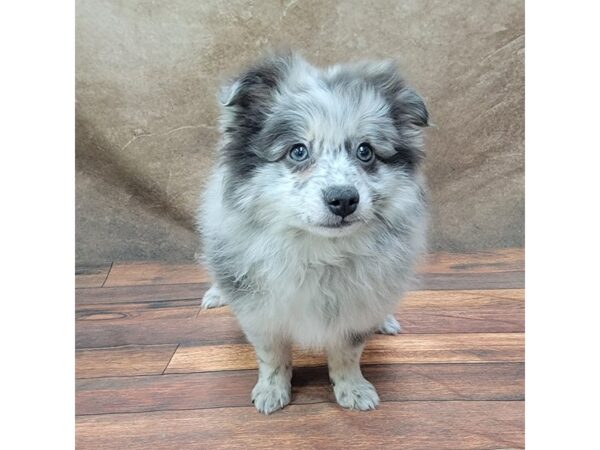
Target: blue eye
(299,152)
(364,152)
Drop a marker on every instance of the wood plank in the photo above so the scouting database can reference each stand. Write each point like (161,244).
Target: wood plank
(467,298)
(441,263)
(152,273)
(421,312)
(491,280)
(414,425)
(136,312)
(220,329)
(91,275)
(472,311)
(149,293)
(426,281)
(123,361)
(413,349)
(425,299)
(495,260)
(401,382)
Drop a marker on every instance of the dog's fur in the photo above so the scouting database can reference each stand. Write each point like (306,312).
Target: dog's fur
(292,271)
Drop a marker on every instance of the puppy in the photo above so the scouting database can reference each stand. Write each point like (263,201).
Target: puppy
(315,214)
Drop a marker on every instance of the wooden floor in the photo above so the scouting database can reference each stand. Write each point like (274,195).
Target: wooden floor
(155,371)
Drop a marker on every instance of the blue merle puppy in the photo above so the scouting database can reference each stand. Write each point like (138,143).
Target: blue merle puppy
(315,214)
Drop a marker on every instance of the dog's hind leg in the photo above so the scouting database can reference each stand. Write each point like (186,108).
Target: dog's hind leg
(389,326)
(213,298)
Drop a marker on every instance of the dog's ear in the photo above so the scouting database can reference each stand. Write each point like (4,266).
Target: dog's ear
(257,84)
(407,109)
(412,107)
(407,106)
(252,87)
(247,100)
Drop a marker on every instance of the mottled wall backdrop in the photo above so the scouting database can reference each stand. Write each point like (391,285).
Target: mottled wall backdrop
(147,74)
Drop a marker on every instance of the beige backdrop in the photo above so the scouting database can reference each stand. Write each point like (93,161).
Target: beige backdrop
(147,74)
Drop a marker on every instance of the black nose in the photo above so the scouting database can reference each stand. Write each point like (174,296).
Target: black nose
(341,200)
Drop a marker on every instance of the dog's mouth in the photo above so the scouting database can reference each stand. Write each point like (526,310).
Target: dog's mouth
(341,224)
(336,229)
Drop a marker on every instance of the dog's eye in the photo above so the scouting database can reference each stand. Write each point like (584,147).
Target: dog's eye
(299,152)
(364,152)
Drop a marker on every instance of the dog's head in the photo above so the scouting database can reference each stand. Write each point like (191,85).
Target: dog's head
(324,151)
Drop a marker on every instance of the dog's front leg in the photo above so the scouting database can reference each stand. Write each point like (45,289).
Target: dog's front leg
(349,386)
(274,387)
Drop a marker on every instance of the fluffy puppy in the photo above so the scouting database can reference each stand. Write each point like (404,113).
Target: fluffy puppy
(314,215)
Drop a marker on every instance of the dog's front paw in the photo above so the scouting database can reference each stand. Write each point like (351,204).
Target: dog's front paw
(213,298)
(389,326)
(268,398)
(356,394)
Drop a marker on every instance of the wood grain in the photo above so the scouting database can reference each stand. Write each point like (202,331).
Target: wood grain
(138,312)
(400,382)
(421,312)
(414,425)
(413,349)
(91,276)
(149,293)
(151,273)
(123,331)
(496,260)
(472,311)
(490,280)
(123,361)
(455,299)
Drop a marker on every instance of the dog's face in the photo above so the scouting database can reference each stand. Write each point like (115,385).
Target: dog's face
(320,151)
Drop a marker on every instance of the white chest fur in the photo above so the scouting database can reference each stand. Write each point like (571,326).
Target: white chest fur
(311,289)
